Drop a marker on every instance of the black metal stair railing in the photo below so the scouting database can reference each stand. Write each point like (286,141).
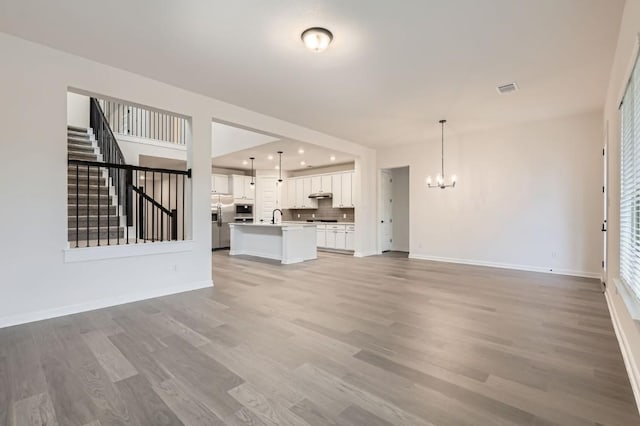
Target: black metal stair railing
(153,204)
(104,206)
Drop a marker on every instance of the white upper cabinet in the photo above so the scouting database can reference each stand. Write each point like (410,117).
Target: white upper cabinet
(336,184)
(321,184)
(220,184)
(290,202)
(303,187)
(242,189)
(316,184)
(249,190)
(326,181)
(347,189)
(342,188)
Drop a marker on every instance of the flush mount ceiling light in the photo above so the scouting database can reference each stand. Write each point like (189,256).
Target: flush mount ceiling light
(245,162)
(302,163)
(269,157)
(301,151)
(440,179)
(332,158)
(317,39)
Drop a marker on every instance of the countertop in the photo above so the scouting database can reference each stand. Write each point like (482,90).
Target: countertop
(320,223)
(271,225)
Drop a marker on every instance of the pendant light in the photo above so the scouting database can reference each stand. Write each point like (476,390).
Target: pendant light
(280,166)
(440,178)
(253,179)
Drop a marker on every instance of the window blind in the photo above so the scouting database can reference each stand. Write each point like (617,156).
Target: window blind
(630,184)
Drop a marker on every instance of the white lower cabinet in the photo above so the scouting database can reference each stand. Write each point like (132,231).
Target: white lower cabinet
(322,235)
(338,237)
(349,238)
(341,240)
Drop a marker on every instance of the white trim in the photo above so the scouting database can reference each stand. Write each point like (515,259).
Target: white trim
(365,254)
(629,298)
(87,254)
(265,256)
(633,370)
(629,71)
(148,141)
(507,266)
(100,303)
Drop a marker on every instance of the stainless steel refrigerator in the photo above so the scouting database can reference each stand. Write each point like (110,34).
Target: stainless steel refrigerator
(222,213)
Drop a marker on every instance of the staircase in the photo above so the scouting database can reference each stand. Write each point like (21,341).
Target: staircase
(93,215)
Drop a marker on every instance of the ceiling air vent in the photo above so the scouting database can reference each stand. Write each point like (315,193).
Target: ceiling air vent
(507,88)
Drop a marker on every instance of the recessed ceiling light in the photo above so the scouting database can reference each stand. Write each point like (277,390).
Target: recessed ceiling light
(245,162)
(269,157)
(317,39)
(332,158)
(301,151)
(302,163)
(277,167)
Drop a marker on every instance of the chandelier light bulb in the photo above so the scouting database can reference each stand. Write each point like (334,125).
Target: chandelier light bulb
(454,179)
(317,39)
(429,181)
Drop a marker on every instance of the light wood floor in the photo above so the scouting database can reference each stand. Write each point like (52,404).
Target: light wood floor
(375,341)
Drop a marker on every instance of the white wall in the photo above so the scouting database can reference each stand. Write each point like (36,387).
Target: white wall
(133,147)
(628,331)
(400,208)
(77,110)
(228,139)
(528,196)
(36,282)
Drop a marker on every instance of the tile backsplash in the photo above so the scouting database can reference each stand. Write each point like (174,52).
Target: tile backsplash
(325,210)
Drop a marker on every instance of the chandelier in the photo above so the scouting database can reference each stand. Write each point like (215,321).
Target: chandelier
(440,178)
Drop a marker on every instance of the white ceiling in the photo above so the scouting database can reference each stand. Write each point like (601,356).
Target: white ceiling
(313,156)
(226,139)
(393,69)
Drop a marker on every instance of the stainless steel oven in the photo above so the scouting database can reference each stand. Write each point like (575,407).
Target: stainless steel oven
(244,212)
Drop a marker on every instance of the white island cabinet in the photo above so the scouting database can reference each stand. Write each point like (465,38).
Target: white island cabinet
(286,242)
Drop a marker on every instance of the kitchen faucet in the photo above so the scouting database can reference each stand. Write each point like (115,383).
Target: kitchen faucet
(273,215)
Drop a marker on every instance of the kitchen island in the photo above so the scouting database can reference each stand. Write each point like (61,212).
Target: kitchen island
(286,242)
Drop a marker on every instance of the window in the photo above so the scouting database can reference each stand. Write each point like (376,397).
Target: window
(630,185)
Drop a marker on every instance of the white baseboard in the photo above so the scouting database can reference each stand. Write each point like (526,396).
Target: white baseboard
(87,254)
(365,253)
(507,266)
(633,370)
(100,303)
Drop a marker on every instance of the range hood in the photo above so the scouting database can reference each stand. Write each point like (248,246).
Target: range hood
(321,195)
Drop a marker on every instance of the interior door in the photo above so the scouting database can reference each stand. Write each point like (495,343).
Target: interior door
(604,205)
(386,221)
(267,198)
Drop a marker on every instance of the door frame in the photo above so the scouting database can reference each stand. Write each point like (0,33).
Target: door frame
(380,201)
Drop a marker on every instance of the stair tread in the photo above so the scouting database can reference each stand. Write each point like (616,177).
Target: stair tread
(79,140)
(84,148)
